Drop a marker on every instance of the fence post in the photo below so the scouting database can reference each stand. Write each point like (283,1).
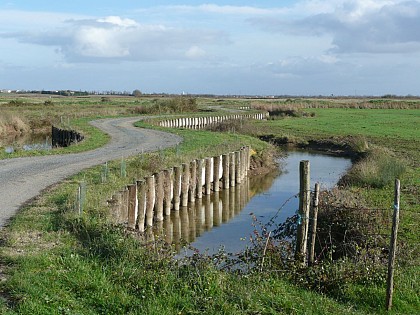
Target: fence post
(314,224)
(303,214)
(81,197)
(393,246)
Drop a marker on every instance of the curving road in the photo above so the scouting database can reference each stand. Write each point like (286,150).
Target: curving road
(22,179)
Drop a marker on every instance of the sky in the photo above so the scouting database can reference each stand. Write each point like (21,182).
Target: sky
(302,47)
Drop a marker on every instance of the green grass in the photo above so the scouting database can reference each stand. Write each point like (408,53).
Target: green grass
(398,130)
(58,263)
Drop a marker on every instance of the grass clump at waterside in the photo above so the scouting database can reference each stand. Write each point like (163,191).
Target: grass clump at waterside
(378,169)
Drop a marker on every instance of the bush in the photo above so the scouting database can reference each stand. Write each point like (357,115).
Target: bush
(169,106)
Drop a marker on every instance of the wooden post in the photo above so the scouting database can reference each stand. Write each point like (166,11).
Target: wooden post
(132,203)
(243,163)
(303,215)
(167,190)
(232,169)
(124,206)
(238,174)
(216,172)
(199,187)
(193,181)
(208,179)
(141,191)
(185,184)
(159,196)
(150,199)
(248,159)
(225,165)
(393,246)
(177,187)
(314,224)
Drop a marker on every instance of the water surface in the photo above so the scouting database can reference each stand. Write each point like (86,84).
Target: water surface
(226,219)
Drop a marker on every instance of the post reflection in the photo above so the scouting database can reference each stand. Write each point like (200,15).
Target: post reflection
(190,222)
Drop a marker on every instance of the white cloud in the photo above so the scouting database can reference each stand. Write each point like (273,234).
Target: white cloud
(90,40)
(358,26)
(195,52)
(222,9)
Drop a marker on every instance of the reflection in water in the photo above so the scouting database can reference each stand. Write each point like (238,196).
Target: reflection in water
(225,218)
(210,212)
(26,142)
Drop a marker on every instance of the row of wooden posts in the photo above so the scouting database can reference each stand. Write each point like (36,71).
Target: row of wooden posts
(150,199)
(202,215)
(201,122)
(305,240)
(64,138)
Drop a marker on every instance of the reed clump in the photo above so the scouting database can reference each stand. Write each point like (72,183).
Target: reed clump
(11,124)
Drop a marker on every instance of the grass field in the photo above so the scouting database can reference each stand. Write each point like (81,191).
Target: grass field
(55,262)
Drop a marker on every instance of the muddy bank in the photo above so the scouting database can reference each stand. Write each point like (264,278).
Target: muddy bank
(352,147)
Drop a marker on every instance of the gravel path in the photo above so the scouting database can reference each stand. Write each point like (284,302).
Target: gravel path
(22,179)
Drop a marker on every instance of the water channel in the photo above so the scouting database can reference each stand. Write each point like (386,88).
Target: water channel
(225,219)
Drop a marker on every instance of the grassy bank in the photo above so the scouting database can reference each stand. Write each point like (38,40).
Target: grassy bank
(55,262)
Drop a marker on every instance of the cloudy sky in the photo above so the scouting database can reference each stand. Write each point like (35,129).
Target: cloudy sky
(302,47)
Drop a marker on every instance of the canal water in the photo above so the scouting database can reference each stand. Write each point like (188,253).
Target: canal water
(228,219)
(27,142)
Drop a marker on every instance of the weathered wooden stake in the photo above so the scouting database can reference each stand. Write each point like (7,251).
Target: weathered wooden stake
(167,190)
(124,206)
(303,214)
(159,181)
(177,187)
(393,246)
(132,203)
(193,181)
(225,165)
(208,177)
(150,199)
(141,191)
(185,184)
(199,187)
(314,217)
(216,172)
(238,168)
(232,169)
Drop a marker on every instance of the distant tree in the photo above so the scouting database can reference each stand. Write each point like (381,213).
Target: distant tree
(137,93)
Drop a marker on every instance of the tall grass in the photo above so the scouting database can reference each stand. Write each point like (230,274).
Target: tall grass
(11,123)
(378,169)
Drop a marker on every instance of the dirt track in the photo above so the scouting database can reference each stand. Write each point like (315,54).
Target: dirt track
(22,179)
